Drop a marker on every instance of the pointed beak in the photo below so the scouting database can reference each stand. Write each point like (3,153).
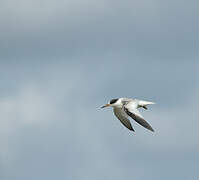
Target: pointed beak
(106,105)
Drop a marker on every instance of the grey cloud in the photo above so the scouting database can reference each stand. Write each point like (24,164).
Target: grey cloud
(60,61)
(61,132)
(155,29)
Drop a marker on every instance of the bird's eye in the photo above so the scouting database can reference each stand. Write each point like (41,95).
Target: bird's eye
(113,101)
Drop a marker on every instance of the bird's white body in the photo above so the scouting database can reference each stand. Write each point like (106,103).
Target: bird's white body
(136,103)
(124,108)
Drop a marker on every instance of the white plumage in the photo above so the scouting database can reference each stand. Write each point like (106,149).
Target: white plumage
(124,108)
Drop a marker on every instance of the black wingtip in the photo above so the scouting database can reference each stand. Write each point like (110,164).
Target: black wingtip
(151,129)
(131,129)
(145,107)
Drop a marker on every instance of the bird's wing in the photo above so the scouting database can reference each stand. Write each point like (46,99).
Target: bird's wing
(132,111)
(121,115)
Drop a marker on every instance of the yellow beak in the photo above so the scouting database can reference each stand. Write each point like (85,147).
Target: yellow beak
(106,105)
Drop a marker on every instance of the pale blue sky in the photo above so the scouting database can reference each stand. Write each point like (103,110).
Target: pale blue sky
(61,60)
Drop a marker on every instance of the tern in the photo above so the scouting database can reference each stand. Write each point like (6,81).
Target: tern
(124,108)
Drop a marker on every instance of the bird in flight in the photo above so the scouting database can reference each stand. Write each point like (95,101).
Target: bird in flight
(124,108)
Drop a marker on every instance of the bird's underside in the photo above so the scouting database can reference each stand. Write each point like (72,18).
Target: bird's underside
(130,109)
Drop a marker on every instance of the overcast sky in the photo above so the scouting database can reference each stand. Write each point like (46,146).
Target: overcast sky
(61,60)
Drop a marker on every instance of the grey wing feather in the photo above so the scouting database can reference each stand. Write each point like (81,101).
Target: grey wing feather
(123,119)
(131,110)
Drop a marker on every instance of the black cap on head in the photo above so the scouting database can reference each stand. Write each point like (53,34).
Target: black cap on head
(113,101)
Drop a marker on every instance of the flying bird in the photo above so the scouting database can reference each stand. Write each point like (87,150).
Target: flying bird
(124,108)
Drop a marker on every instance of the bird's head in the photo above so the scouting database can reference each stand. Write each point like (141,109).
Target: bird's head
(113,103)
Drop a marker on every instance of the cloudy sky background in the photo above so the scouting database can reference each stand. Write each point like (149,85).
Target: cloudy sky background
(61,60)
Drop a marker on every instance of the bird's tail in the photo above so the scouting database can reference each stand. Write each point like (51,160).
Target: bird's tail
(145,103)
